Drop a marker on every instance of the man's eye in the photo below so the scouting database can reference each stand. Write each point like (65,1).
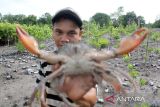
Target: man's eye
(71,33)
(58,33)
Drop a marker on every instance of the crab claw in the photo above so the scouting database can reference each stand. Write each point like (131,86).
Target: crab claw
(114,81)
(32,46)
(28,42)
(130,43)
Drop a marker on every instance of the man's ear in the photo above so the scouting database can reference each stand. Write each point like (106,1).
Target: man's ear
(80,34)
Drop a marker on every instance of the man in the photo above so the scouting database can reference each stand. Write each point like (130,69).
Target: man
(67,27)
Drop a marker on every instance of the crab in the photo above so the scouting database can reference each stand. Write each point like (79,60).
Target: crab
(79,59)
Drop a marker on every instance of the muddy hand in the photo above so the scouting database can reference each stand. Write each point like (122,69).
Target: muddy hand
(28,42)
(130,43)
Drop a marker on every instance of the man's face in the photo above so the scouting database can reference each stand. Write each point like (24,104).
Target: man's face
(66,31)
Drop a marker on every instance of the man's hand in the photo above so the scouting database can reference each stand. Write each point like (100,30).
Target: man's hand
(79,88)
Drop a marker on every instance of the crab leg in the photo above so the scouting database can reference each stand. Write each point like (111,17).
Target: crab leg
(114,82)
(126,45)
(32,46)
(32,97)
(110,78)
(130,80)
(43,102)
(41,86)
(52,76)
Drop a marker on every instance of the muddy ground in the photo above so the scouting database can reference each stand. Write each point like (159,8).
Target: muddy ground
(18,73)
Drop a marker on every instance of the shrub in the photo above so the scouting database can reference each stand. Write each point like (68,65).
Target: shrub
(130,66)
(142,82)
(8,33)
(134,73)
(126,58)
(99,42)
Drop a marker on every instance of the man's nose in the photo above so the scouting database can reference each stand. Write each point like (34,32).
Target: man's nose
(64,39)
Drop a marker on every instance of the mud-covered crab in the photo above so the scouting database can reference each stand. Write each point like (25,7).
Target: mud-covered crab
(75,59)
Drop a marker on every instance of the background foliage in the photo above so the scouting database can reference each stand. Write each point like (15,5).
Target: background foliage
(98,31)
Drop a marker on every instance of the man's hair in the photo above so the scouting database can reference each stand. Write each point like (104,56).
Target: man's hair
(67,14)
